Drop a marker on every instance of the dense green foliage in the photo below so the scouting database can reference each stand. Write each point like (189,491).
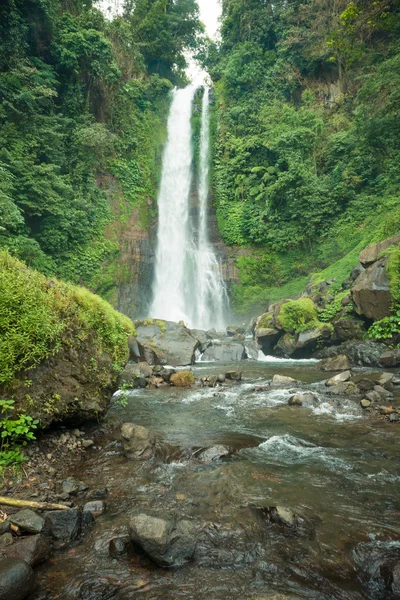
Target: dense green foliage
(38,316)
(298,315)
(306,160)
(82,111)
(14,433)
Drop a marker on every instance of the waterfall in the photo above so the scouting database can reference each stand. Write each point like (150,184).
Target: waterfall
(188,285)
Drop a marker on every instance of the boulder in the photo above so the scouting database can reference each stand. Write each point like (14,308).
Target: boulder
(365,385)
(340,378)
(134,371)
(182,379)
(27,520)
(286,345)
(348,329)
(169,543)
(63,525)
(371,254)
(390,358)
(373,396)
(363,354)
(138,442)
(233,330)
(378,564)
(17,579)
(356,272)
(336,363)
(213,453)
(33,549)
(283,380)
(382,392)
(267,338)
(202,338)
(300,399)
(225,352)
(309,337)
(252,349)
(172,343)
(370,292)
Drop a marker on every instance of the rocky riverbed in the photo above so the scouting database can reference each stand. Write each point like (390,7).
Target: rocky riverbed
(269,482)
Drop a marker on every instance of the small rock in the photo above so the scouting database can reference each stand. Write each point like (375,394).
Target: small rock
(365,403)
(296,400)
(5,526)
(386,410)
(233,375)
(373,396)
(138,442)
(118,546)
(33,549)
(6,539)
(365,385)
(221,377)
(72,486)
(385,378)
(213,453)
(99,494)
(27,520)
(16,579)
(96,507)
(382,392)
(63,525)
(282,379)
(394,418)
(49,456)
(87,443)
(340,378)
(76,433)
(282,516)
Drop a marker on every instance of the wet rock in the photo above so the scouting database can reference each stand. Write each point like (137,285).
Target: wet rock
(373,396)
(310,337)
(286,345)
(391,358)
(382,392)
(232,330)
(378,563)
(172,342)
(339,389)
(365,385)
(340,378)
(169,543)
(63,525)
(118,546)
(221,377)
(371,254)
(134,371)
(365,403)
(213,453)
(27,520)
(95,507)
(282,516)
(87,443)
(394,418)
(385,378)
(202,338)
(336,363)
(5,526)
(367,354)
(6,539)
(99,494)
(166,374)
(138,442)
(233,375)
(386,410)
(252,349)
(98,588)
(225,352)
(72,486)
(296,400)
(17,579)
(283,380)
(33,549)
(87,520)
(371,293)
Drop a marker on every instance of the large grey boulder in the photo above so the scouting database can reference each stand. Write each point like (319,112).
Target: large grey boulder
(336,363)
(169,543)
(371,293)
(138,442)
(371,254)
(201,337)
(286,345)
(225,352)
(16,579)
(33,549)
(172,343)
(365,354)
(63,525)
(267,338)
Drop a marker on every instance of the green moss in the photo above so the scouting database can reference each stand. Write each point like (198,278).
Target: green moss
(38,316)
(393,272)
(182,379)
(265,321)
(298,315)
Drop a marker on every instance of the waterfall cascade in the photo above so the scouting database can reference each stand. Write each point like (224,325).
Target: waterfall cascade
(188,285)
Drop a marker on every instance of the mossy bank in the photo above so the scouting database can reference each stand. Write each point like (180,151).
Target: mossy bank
(61,347)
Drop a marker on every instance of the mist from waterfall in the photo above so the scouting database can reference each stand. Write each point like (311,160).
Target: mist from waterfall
(188,285)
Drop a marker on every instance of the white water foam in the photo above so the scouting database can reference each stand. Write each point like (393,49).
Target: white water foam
(274,359)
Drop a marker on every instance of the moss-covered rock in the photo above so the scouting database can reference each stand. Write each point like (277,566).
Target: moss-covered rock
(182,379)
(61,347)
(298,315)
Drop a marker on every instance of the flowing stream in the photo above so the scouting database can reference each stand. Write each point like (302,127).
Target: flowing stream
(329,463)
(188,285)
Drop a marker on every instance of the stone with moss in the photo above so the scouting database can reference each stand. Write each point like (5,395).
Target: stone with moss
(182,379)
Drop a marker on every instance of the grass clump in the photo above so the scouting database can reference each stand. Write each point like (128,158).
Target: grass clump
(182,379)
(38,316)
(298,315)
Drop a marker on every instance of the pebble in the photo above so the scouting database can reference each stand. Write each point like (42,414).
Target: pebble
(365,403)
(87,443)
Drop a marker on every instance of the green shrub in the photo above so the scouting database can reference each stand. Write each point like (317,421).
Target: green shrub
(39,315)
(386,328)
(298,315)
(14,433)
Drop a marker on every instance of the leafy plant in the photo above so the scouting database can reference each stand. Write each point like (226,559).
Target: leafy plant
(14,434)
(386,328)
(298,315)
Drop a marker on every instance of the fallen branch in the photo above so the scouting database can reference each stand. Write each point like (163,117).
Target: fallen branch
(31,504)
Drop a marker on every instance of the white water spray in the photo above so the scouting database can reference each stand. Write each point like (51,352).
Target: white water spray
(188,283)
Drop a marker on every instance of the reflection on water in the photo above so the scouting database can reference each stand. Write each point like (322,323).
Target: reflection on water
(326,462)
